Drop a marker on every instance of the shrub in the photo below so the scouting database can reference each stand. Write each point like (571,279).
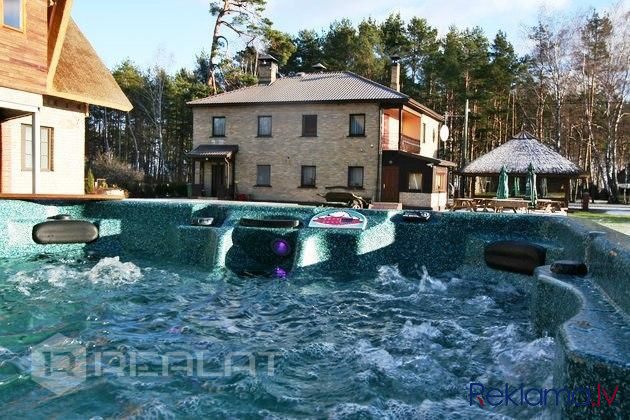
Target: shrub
(116,172)
(89,182)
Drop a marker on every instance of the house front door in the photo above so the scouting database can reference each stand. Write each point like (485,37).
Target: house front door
(218,180)
(390,184)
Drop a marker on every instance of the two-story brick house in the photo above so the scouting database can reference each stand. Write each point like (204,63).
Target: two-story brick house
(290,138)
(49,73)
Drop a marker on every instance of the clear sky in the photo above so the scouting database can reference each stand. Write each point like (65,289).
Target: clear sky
(173,32)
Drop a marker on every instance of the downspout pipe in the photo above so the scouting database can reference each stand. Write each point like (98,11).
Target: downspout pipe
(380,155)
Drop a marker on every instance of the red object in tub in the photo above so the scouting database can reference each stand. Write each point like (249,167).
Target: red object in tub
(242,197)
(332,220)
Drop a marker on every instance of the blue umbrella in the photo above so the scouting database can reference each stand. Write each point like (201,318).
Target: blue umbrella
(530,188)
(503,189)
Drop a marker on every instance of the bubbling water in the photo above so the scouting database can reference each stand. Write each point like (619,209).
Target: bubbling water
(375,345)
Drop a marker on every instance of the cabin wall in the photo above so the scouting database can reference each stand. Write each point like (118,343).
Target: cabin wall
(67,119)
(24,54)
(429,136)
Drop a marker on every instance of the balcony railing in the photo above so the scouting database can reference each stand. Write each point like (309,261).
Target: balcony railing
(407,144)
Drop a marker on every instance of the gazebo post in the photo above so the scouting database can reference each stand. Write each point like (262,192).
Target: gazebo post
(567,192)
(474,185)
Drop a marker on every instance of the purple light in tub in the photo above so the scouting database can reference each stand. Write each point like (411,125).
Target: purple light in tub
(281,248)
(280,273)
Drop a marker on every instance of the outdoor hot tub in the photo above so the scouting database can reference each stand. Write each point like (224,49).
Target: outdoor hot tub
(191,309)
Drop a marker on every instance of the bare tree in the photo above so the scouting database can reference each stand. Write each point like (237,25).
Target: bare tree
(614,89)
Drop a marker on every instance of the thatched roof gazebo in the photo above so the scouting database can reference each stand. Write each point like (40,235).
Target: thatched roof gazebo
(517,154)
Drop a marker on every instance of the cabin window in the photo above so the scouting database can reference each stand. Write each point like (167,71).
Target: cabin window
(357,125)
(355,176)
(440,182)
(13,14)
(264,126)
(45,152)
(415,181)
(309,125)
(218,126)
(424,132)
(263,175)
(309,175)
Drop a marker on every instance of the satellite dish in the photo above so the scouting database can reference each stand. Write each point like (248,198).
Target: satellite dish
(444,133)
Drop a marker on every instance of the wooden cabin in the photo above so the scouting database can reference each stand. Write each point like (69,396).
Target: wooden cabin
(49,75)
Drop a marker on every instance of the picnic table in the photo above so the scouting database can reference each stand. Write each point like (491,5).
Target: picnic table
(513,204)
(464,203)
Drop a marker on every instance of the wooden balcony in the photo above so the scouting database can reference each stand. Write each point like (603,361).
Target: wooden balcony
(404,143)
(409,144)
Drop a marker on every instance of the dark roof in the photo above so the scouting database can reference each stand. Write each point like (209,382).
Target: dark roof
(309,87)
(516,155)
(434,161)
(213,150)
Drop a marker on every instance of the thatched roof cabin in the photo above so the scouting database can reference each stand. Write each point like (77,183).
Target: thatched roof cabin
(516,155)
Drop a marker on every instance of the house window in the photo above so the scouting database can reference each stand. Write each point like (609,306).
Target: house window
(264,126)
(309,125)
(415,181)
(308,176)
(263,175)
(424,132)
(355,176)
(357,125)
(46,148)
(13,13)
(218,126)
(434,135)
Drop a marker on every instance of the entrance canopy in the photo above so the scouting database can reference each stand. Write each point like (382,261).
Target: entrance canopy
(225,151)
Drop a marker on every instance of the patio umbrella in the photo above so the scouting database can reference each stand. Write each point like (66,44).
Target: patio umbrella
(517,186)
(530,188)
(503,189)
(543,188)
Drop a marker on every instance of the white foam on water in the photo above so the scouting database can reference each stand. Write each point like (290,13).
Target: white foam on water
(153,410)
(481,302)
(390,275)
(56,276)
(410,331)
(376,357)
(428,283)
(5,352)
(110,271)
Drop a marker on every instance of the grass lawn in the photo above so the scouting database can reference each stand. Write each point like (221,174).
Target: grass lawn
(617,222)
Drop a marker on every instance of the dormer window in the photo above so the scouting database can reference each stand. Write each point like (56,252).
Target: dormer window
(13,13)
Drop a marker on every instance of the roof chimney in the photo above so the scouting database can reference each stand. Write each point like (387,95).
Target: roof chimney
(267,69)
(395,73)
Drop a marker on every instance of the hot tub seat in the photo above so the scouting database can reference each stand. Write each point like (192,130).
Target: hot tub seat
(592,335)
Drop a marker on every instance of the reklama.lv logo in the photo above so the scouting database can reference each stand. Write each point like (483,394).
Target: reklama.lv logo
(537,396)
